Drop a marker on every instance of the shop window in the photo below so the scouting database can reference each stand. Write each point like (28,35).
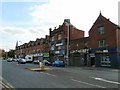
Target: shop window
(105,60)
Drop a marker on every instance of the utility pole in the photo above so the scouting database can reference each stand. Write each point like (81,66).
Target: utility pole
(20,49)
(117,37)
(68,41)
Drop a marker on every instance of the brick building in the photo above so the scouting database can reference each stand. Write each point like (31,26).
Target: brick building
(100,49)
(40,46)
(78,51)
(104,43)
(59,39)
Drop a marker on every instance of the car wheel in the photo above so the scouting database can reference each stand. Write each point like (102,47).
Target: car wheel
(58,65)
(63,65)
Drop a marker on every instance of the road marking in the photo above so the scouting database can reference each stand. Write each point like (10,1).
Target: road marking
(101,79)
(48,74)
(88,83)
(6,84)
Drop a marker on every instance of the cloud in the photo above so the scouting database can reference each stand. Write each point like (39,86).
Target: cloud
(25,0)
(82,13)
(10,35)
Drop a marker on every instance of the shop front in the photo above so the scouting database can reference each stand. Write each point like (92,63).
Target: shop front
(106,58)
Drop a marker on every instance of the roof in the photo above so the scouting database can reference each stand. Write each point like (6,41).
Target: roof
(102,19)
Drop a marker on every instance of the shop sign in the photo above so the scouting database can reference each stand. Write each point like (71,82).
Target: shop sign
(98,51)
(57,52)
(45,54)
(80,51)
(37,54)
(59,44)
(105,51)
(92,55)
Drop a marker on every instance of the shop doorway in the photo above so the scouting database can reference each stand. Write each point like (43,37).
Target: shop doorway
(92,61)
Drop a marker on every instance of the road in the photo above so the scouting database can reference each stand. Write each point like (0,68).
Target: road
(19,76)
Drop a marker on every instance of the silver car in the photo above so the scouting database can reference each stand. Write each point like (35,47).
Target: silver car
(21,61)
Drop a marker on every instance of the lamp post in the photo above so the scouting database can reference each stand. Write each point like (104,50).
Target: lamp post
(117,37)
(68,40)
(20,49)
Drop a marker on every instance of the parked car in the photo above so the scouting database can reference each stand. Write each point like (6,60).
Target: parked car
(36,61)
(15,59)
(21,61)
(46,62)
(58,63)
(9,60)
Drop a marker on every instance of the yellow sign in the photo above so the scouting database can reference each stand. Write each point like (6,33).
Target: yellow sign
(98,51)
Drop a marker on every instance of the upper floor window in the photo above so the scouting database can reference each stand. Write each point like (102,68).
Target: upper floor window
(59,36)
(53,38)
(101,43)
(101,30)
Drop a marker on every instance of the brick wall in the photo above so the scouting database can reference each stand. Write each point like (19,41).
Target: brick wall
(109,35)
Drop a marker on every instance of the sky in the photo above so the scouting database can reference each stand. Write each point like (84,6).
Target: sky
(26,20)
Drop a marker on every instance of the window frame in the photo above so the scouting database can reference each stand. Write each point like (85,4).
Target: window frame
(103,44)
(101,30)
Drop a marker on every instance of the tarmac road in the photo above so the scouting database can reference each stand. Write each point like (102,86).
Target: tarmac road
(19,76)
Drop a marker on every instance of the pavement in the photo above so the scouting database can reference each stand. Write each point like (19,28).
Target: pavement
(94,68)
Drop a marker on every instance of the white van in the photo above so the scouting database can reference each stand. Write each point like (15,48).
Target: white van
(29,58)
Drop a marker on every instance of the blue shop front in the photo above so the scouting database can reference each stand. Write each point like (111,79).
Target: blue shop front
(109,57)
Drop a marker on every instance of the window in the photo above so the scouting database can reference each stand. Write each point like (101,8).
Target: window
(59,36)
(53,38)
(59,47)
(101,30)
(101,43)
(29,57)
(105,60)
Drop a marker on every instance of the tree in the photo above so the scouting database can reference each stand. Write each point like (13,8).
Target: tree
(11,53)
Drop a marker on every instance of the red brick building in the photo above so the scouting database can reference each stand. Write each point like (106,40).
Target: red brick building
(100,49)
(78,51)
(40,46)
(104,43)
(59,39)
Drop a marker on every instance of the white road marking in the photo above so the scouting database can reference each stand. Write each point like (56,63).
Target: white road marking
(48,74)
(101,79)
(5,83)
(88,83)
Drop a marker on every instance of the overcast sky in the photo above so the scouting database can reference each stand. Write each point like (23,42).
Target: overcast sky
(25,20)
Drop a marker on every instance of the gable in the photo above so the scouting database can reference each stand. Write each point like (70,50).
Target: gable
(101,20)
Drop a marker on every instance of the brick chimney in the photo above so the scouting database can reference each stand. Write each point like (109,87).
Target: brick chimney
(67,21)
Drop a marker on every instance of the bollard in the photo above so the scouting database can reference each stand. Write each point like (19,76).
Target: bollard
(42,67)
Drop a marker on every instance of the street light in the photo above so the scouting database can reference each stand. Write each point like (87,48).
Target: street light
(68,40)
(20,49)
(117,37)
